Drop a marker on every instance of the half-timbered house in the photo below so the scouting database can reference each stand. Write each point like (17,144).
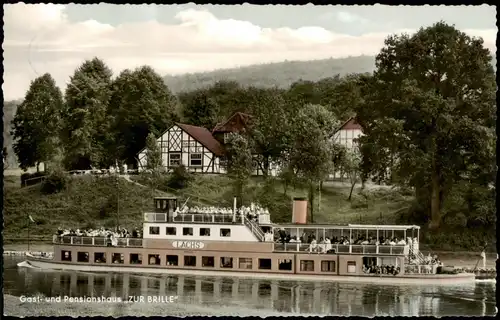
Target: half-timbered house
(192,146)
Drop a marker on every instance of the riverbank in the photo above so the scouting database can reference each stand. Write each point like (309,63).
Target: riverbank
(14,307)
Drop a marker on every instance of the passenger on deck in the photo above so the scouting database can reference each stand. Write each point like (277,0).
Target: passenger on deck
(313,245)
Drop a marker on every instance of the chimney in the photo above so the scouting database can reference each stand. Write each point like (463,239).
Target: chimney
(299,215)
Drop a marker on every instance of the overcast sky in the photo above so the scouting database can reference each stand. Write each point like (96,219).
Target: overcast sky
(176,39)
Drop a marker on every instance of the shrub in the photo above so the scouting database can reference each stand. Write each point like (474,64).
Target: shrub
(358,202)
(180,178)
(55,182)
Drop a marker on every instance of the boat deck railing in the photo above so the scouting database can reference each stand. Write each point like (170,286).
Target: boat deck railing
(209,218)
(421,269)
(97,241)
(340,248)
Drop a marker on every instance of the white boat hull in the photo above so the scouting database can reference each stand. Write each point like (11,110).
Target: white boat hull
(433,279)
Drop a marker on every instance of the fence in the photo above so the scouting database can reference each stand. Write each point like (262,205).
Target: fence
(339,248)
(97,241)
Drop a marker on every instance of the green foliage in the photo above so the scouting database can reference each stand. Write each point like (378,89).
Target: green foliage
(153,155)
(352,167)
(36,123)
(199,108)
(430,113)
(56,181)
(140,104)
(180,178)
(86,122)
(239,162)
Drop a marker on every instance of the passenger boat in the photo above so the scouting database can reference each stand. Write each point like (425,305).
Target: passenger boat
(232,244)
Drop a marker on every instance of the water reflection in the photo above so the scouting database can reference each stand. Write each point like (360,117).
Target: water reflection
(281,296)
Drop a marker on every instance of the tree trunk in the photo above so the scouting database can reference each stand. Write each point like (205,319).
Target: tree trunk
(435,201)
(266,167)
(38,167)
(350,192)
(285,186)
(311,201)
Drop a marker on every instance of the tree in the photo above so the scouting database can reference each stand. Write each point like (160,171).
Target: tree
(140,104)
(36,123)
(432,106)
(239,160)
(86,121)
(352,168)
(199,109)
(311,153)
(154,162)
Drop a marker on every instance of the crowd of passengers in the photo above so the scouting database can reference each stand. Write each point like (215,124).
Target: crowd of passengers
(383,269)
(252,212)
(283,236)
(101,232)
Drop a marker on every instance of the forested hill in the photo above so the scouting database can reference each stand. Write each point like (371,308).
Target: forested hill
(280,74)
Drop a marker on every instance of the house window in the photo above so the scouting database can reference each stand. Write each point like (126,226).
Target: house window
(187,231)
(174,159)
(226,137)
(171,231)
(328,266)
(306,265)
(207,262)
(135,258)
(99,257)
(82,257)
(285,264)
(154,230)
(351,266)
(245,263)
(205,232)
(225,232)
(195,160)
(189,261)
(172,260)
(65,255)
(154,259)
(118,258)
(265,264)
(226,262)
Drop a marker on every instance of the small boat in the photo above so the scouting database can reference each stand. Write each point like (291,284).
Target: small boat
(245,243)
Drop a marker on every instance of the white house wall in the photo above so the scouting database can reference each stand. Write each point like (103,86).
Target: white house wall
(345,137)
(238,232)
(176,141)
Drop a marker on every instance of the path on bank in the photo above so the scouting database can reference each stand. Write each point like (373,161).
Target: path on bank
(163,193)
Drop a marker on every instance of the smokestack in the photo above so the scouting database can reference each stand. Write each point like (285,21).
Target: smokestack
(299,214)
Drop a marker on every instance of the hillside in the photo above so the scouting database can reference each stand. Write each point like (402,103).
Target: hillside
(280,74)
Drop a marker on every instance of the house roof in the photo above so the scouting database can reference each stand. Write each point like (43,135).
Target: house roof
(238,117)
(350,124)
(203,136)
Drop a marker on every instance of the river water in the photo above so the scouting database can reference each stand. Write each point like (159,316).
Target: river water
(185,295)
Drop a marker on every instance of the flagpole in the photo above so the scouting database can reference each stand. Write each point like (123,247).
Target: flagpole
(29,223)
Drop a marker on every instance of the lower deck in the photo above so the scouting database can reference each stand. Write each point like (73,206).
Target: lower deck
(258,262)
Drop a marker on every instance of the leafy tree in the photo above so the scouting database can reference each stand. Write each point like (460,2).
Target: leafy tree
(199,109)
(140,104)
(180,178)
(36,123)
(239,160)
(86,129)
(433,107)
(153,154)
(352,168)
(311,152)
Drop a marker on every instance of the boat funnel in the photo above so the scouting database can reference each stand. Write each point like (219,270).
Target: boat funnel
(299,214)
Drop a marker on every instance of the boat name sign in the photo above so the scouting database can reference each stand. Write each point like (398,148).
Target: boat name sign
(188,244)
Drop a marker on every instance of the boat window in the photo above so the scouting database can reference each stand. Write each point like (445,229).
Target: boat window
(154,259)
(154,230)
(224,232)
(226,262)
(190,261)
(187,231)
(285,264)
(99,257)
(207,262)
(172,260)
(205,232)
(351,266)
(82,257)
(65,255)
(171,231)
(306,265)
(245,263)
(135,258)
(118,258)
(265,264)
(327,266)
